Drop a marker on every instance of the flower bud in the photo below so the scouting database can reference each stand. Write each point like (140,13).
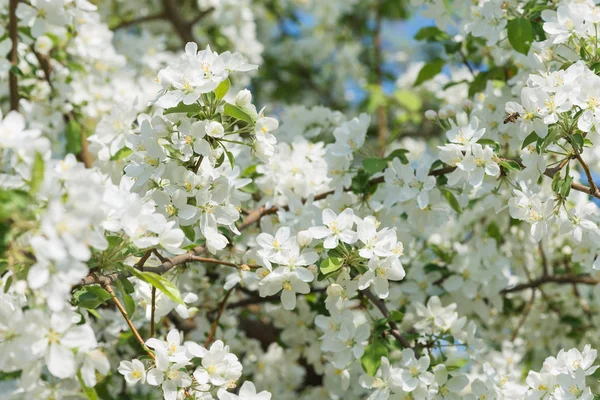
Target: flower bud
(243,98)
(304,238)
(451,111)
(334,290)
(443,114)
(215,129)
(467,105)
(430,115)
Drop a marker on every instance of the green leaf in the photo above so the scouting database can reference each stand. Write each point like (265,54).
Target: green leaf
(374,165)
(222,89)
(91,297)
(159,282)
(452,201)
(90,392)
(129,303)
(330,265)
(400,154)
(587,143)
(371,359)
(429,70)
(489,142)
(230,157)
(37,174)
(533,137)
(237,113)
(396,316)
(556,182)
(510,165)
(578,142)
(431,34)
(250,188)
(125,286)
(183,108)
(189,232)
(409,100)
(520,34)
(121,154)
(565,188)
(73,136)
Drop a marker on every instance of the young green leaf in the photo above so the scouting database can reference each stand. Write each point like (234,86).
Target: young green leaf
(73,137)
(400,154)
(183,108)
(330,265)
(520,34)
(429,70)
(374,165)
(532,137)
(237,113)
(222,89)
(37,173)
(452,201)
(371,359)
(121,154)
(159,282)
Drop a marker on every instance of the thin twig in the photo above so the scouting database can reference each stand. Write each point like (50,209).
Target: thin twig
(545,267)
(13,34)
(153,309)
(380,304)
(135,332)
(588,174)
(526,312)
(213,328)
(559,279)
(256,214)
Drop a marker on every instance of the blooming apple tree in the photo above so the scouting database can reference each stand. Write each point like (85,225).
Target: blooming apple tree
(224,199)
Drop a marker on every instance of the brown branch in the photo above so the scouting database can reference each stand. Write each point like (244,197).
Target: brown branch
(526,312)
(153,309)
(135,332)
(394,330)
(13,34)
(213,328)
(545,268)
(256,214)
(45,65)
(139,20)
(593,188)
(180,25)
(167,265)
(559,279)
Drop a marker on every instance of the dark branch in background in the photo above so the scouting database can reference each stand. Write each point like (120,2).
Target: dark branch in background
(256,214)
(559,279)
(13,34)
(139,20)
(526,311)
(213,328)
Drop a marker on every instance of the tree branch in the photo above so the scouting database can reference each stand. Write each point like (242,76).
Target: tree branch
(213,328)
(13,34)
(139,20)
(593,189)
(135,332)
(559,279)
(380,304)
(523,318)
